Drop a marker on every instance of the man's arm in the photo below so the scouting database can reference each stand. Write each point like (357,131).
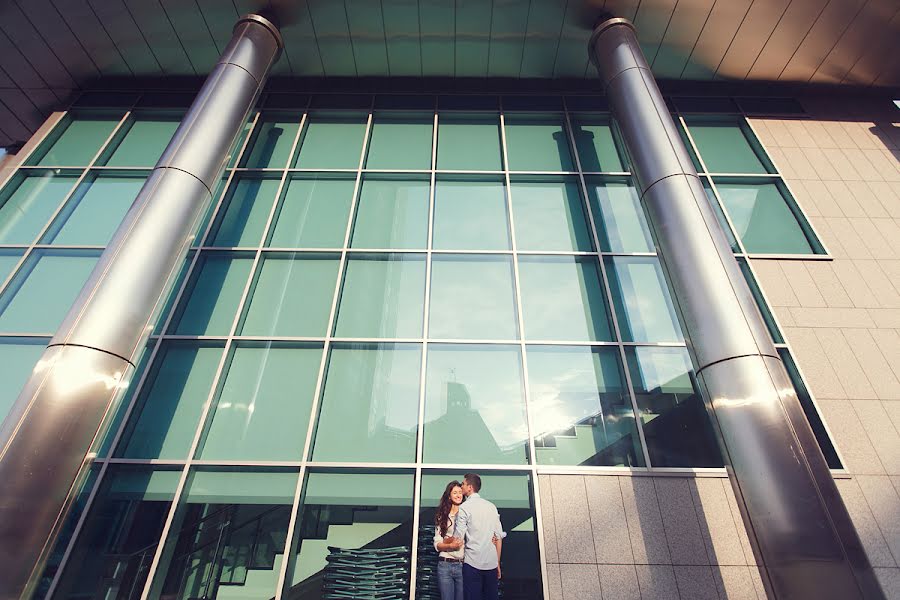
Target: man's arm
(462,525)
(498,539)
(444,544)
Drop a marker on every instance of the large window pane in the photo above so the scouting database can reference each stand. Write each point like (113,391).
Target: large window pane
(468,143)
(513,496)
(262,412)
(643,305)
(313,214)
(620,221)
(113,553)
(763,217)
(79,142)
(549,216)
(271,144)
(581,408)
(27,204)
(472,297)
(94,212)
(720,215)
(676,425)
(17,359)
(383,296)
(171,401)
(332,142)
(353,536)
(227,538)
(213,296)
(724,146)
(8,261)
(538,144)
(292,296)
(474,405)
(144,142)
(369,409)
(563,299)
(244,215)
(760,302)
(470,215)
(401,143)
(43,290)
(391,214)
(595,144)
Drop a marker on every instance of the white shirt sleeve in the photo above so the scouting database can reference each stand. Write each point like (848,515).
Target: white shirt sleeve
(462,524)
(437,537)
(498,528)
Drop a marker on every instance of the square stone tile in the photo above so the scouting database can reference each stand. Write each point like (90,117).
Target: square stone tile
(611,541)
(580,582)
(574,541)
(696,583)
(619,582)
(657,582)
(716,523)
(735,583)
(680,521)
(645,525)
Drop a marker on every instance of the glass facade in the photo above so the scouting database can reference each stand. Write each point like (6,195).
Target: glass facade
(378,302)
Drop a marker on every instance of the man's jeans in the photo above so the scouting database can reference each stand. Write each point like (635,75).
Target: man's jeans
(450,580)
(478,584)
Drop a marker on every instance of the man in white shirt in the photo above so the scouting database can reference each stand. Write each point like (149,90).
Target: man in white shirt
(477,527)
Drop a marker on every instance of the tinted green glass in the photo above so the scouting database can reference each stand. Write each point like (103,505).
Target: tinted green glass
(474,405)
(292,296)
(470,215)
(262,412)
(8,261)
(80,141)
(271,145)
(313,214)
(214,295)
(618,216)
(563,299)
(760,302)
(17,358)
(676,426)
(720,215)
(643,306)
(369,409)
(27,307)
(383,297)
(244,216)
(230,538)
(400,143)
(133,501)
(538,144)
(724,147)
(468,143)
(472,297)
(25,208)
(348,510)
(144,142)
(391,214)
(332,143)
(94,212)
(763,219)
(172,401)
(596,145)
(549,216)
(581,408)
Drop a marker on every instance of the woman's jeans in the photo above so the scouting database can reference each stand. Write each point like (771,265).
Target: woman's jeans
(450,580)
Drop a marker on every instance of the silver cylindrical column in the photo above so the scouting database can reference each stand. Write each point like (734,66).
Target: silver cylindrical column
(801,532)
(46,439)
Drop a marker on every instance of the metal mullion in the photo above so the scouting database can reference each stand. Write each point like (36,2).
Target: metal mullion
(426,307)
(126,417)
(520,324)
(809,257)
(326,348)
(608,292)
(214,388)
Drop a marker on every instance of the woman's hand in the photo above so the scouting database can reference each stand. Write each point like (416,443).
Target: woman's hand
(452,542)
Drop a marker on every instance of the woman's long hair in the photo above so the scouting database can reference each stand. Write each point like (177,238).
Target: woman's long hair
(442,514)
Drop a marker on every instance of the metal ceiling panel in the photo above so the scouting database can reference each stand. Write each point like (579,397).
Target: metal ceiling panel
(571,53)
(22,103)
(366,23)
(123,31)
(303,50)
(437,23)
(81,20)
(25,37)
(651,21)
(11,125)
(329,21)
(192,32)
(508,26)
(715,39)
(156,28)
(795,23)
(820,40)
(545,21)
(871,63)
(473,37)
(219,18)
(684,30)
(402,37)
(753,34)
(17,67)
(60,39)
(862,32)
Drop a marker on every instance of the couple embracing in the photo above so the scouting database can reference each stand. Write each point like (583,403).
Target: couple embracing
(469,538)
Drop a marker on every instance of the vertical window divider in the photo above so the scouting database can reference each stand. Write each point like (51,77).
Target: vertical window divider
(520,327)
(216,383)
(607,293)
(326,348)
(113,446)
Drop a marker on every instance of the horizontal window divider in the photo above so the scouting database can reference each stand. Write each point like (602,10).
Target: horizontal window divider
(66,247)
(688,471)
(27,334)
(198,462)
(143,461)
(606,173)
(744,175)
(515,174)
(825,257)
